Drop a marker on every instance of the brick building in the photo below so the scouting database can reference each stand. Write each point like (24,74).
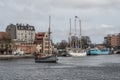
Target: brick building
(5,43)
(112,40)
(42,41)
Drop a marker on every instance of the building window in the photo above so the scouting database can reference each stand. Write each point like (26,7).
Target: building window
(25,36)
(46,47)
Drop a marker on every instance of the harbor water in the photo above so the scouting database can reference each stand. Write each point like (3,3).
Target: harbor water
(102,67)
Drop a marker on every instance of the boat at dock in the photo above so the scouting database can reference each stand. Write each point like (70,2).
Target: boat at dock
(49,56)
(99,51)
(76,48)
(76,52)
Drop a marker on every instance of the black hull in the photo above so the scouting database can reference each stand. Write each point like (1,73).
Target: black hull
(39,61)
(47,59)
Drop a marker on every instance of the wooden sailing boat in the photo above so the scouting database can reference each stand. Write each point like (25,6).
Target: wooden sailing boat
(74,51)
(49,57)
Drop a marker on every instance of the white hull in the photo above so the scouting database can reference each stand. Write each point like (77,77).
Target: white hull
(71,53)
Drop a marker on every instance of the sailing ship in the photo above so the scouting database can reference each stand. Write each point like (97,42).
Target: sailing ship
(75,50)
(49,57)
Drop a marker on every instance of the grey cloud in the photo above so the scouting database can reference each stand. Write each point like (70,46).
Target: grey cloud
(36,12)
(86,3)
(98,32)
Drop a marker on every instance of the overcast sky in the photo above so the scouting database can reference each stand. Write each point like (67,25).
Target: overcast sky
(99,17)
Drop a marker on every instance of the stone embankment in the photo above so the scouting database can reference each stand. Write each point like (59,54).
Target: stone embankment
(5,57)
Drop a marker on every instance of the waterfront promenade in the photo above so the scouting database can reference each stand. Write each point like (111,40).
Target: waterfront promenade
(4,57)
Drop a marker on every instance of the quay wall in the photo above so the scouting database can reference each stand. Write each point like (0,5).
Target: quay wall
(5,57)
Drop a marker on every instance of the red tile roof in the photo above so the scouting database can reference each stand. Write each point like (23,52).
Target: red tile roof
(4,35)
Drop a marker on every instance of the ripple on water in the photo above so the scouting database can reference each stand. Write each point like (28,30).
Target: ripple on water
(67,68)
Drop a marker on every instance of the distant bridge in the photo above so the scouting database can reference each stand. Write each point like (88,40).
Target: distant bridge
(117,51)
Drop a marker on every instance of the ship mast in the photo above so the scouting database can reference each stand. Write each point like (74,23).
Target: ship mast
(75,32)
(80,35)
(70,33)
(49,33)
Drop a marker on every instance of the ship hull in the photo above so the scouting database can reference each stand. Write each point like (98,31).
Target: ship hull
(47,59)
(98,52)
(77,53)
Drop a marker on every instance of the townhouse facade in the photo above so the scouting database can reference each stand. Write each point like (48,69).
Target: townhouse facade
(21,33)
(112,40)
(23,36)
(43,43)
